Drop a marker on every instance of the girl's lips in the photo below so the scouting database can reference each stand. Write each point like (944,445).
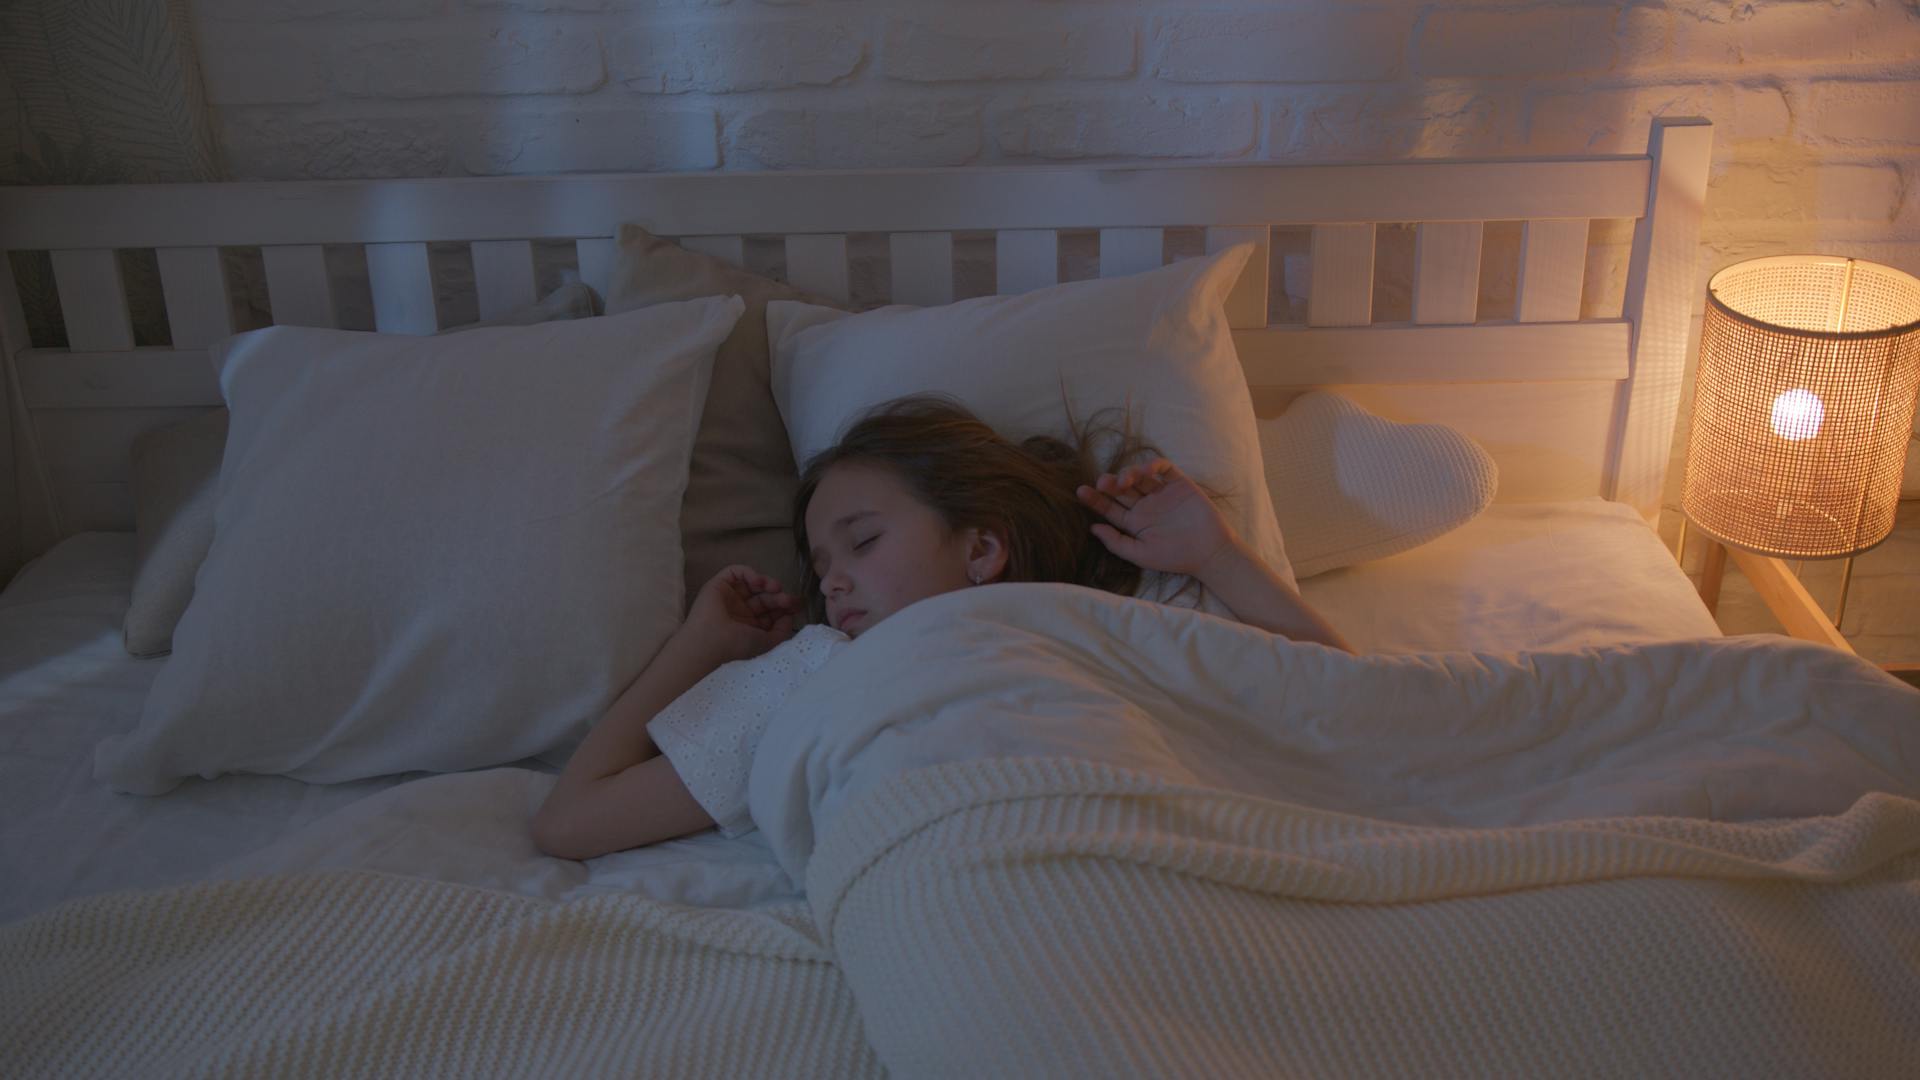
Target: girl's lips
(847,618)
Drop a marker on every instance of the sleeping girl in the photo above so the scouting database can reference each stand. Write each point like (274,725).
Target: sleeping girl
(920,498)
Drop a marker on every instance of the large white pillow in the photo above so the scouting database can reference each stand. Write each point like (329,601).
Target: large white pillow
(430,553)
(1349,486)
(1157,342)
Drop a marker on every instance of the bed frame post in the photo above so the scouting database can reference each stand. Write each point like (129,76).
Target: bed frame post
(1660,303)
(16,443)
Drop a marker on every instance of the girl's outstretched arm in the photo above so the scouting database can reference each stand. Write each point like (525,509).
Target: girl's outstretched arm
(617,791)
(1259,597)
(1158,519)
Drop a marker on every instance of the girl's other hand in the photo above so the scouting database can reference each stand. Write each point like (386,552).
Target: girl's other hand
(740,614)
(1158,519)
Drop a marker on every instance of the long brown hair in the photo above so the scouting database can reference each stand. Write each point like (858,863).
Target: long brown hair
(973,477)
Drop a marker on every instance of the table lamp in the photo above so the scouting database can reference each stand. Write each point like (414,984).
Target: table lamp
(1803,407)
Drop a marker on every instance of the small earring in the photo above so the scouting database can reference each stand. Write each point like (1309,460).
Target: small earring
(973,576)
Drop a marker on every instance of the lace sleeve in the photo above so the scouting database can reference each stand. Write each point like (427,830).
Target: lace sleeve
(709,732)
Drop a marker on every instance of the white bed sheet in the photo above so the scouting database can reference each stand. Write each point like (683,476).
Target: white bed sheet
(1558,575)
(66,681)
(1525,576)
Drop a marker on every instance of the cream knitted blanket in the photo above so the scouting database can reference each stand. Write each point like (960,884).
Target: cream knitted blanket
(353,973)
(1053,833)
(1051,918)
(1050,833)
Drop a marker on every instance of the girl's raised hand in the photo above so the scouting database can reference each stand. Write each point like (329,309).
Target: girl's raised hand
(741,613)
(1157,518)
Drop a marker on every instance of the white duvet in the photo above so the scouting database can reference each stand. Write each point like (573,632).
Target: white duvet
(1046,831)
(1725,729)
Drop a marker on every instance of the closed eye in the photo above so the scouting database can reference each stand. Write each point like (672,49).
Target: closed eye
(865,543)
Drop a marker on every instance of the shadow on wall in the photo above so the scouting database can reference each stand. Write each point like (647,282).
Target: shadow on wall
(103,92)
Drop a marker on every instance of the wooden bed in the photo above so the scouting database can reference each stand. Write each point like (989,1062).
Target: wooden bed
(1539,801)
(1568,406)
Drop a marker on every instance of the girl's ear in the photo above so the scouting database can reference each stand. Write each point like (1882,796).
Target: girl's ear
(986,555)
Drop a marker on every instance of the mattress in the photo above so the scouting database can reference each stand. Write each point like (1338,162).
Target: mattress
(1521,576)
(1559,575)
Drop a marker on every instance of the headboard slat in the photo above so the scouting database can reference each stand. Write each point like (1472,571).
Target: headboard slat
(503,275)
(1341,293)
(922,267)
(193,282)
(93,300)
(1553,270)
(1129,251)
(298,290)
(1446,271)
(595,255)
(1660,301)
(818,263)
(402,280)
(1025,260)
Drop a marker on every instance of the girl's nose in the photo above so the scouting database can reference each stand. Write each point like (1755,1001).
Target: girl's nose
(835,583)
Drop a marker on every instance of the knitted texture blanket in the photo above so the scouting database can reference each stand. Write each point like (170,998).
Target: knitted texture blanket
(1051,918)
(1046,832)
(353,973)
(1051,832)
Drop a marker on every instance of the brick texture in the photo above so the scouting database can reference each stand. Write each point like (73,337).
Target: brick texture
(969,50)
(734,56)
(1161,126)
(1540,40)
(1349,43)
(493,59)
(878,135)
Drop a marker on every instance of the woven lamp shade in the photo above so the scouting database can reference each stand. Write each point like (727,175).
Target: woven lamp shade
(1803,405)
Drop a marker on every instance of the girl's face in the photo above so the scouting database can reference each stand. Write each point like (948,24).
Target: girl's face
(878,548)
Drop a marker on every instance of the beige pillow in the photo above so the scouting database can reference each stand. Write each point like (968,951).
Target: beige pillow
(739,505)
(1349,486)
(174,474)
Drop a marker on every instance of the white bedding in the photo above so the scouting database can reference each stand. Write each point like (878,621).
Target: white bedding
(1558,575)
(66,681)
(1054,832)
(1048,831)
(1521,576)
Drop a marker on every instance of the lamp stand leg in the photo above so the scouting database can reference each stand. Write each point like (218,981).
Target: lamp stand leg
(1680,553)
(1846,579)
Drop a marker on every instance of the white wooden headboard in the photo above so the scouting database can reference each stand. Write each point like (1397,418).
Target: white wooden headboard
(1567,406)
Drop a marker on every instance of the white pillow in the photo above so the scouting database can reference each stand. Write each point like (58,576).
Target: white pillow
(433,553)
(1349,486)
(1157,342)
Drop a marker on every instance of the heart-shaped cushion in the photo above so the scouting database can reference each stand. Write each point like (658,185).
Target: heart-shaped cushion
(1349,486)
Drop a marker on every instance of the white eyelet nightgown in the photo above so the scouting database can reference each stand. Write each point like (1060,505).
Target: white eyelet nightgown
(709,732)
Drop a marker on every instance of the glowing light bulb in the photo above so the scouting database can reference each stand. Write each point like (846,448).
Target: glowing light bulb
(1797,415)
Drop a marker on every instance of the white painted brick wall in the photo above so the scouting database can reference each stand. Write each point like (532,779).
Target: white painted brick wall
(1290,44)
(1530,41)
(1816,102)
(735,55)
(944,48)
